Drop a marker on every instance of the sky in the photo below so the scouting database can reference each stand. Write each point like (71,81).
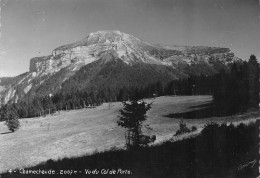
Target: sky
(31,28)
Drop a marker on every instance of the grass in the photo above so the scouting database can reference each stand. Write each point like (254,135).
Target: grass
(80,132)
(219,151)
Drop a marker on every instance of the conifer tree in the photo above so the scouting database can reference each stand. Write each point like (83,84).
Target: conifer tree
(132,117)
(11,118)
(253,82)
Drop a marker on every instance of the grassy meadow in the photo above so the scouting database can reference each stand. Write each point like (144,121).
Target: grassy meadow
(69,138)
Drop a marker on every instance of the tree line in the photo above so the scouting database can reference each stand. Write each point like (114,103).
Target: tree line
(39,106)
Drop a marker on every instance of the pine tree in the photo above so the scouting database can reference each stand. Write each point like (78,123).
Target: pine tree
(122,96)
(160,89)
(11,118)
(253,82)
(132,117)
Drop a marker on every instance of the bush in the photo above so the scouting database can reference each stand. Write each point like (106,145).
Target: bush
(184,129)
(193,128)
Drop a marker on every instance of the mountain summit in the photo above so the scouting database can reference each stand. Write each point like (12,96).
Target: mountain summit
(126,47)
(111,56)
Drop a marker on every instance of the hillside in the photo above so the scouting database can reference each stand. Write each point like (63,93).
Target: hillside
(109,77)
(219,150)
(78,132)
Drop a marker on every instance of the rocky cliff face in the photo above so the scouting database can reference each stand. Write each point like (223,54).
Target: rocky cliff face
(47,73)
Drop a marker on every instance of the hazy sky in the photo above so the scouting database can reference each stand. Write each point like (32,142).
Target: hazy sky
(31,28)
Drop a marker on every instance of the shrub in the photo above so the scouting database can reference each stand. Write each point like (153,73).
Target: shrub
(193,128)
(184,129)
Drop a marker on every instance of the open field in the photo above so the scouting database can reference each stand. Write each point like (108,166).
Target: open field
(75,133)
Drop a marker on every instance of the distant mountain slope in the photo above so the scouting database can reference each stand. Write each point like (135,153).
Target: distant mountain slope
(110,76)
(111,59)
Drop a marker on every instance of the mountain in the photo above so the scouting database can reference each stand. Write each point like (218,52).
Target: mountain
(111,60)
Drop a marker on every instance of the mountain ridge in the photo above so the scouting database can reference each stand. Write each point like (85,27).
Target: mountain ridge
(50,72)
